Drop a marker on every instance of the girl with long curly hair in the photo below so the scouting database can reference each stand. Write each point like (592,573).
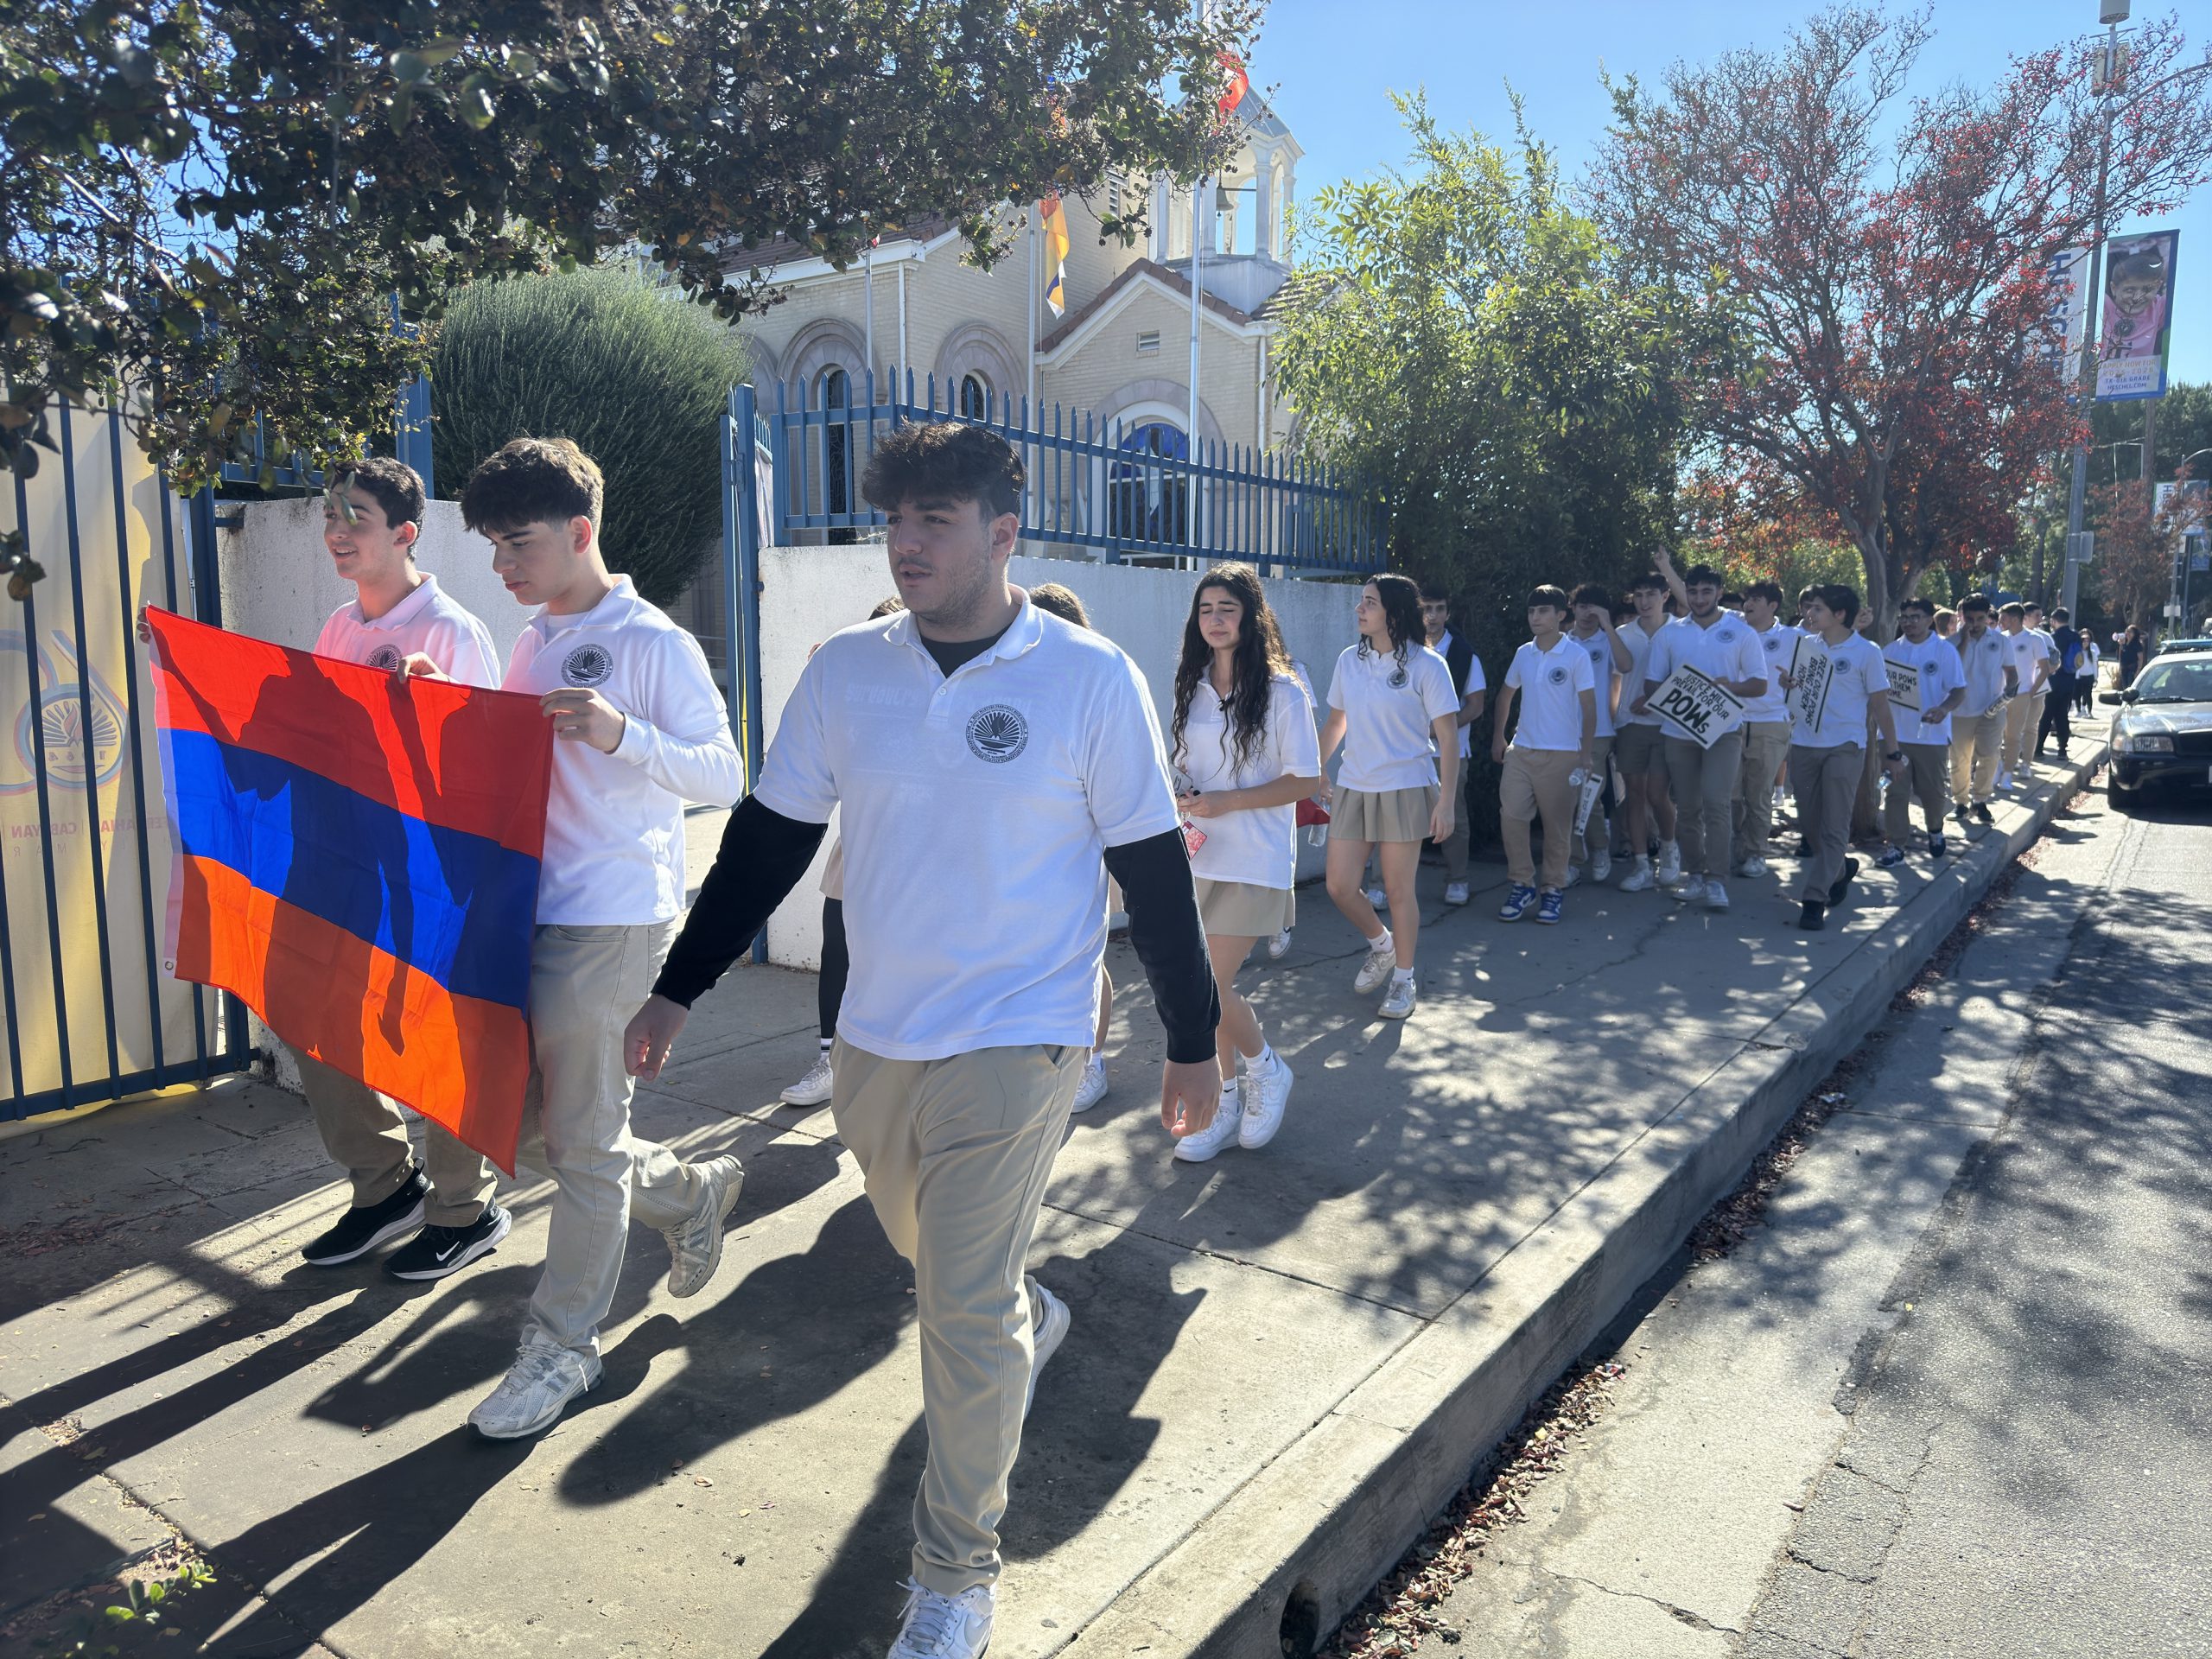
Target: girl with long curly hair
(1242,744)
(1393,707)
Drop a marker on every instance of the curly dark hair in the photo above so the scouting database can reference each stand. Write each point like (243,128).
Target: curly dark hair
(1259,657)
(924,461)
(1401,613)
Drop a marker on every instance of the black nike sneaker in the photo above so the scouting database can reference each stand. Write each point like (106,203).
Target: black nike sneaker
(437,1251)
(365,1226)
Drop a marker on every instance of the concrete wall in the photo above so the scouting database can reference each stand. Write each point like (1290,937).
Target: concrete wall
(809,593)
(278,583)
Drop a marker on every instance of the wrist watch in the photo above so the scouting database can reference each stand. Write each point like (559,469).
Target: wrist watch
(1894,755)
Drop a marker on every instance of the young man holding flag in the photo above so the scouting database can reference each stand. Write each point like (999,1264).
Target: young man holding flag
(638,730)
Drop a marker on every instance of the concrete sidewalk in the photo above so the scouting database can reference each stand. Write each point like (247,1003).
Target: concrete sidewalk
(1280,1362)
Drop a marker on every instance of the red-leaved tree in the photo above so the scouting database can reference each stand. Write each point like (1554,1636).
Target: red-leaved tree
(1889,371)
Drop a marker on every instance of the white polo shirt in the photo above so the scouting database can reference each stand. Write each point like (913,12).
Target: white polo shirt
(1551,683)
(2029,647)
(1639,663)
(615,823)
(1775,647)
(1599,648)
(976,810)
(426,621)
(1856,676)
(1983,662)
(1259,845)
(1940,675)
(1389,709)
(1726,651)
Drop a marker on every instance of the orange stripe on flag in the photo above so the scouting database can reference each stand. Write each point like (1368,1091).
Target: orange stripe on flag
(458,1060)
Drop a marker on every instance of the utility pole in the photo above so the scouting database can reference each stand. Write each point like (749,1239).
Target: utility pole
(2111,15)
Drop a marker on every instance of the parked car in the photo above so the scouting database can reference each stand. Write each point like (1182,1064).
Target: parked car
(2168,647)
(2162,736)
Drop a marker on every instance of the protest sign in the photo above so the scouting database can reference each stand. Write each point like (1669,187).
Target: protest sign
(1695,705)
(1904,686)
(1811,673)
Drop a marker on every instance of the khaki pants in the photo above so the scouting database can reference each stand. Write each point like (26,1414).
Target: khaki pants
(1974,741)
(1826,783)
(1766,744)
(1929,763)
(1455,844)
(1533,783)
(2020,732)
(585,982)
(365,1134)
(1596,833)
(1704,782)
(956,1153)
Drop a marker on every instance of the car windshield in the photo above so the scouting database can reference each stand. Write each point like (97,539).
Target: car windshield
(2175,681)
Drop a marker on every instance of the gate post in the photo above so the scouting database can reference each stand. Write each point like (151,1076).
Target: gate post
(741,588)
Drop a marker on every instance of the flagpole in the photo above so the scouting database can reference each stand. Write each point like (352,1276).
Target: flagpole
(867,300)
(1191,438)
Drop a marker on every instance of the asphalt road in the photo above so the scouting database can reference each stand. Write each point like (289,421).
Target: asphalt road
(2028,1468)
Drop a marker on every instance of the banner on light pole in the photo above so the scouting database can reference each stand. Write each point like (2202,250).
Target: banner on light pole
(2068,318)
(2136,326)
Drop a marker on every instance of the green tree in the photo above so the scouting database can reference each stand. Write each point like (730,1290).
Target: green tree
(1473,350)
(206,212)
(617,363)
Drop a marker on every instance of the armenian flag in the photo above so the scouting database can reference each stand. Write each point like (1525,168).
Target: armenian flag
(357,860)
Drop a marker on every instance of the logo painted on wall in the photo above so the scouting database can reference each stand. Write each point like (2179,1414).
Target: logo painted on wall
(80,721)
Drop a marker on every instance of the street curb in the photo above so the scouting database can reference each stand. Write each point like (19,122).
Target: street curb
(1278,1564)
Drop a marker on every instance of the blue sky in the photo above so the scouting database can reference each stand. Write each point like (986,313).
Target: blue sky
(1331,65)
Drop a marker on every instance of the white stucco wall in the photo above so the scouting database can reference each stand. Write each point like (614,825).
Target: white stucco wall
(809,593)
(278,583)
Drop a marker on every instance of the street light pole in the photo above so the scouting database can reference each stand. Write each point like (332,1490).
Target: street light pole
(2112,13)
(2077,498)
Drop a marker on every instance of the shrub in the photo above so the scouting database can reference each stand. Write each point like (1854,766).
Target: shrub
(630,371)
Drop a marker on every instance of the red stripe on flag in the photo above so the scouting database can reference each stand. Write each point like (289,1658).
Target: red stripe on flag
(457,1060)
(455,756)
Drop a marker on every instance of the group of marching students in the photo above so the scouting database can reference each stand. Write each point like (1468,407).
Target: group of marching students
(1001,786)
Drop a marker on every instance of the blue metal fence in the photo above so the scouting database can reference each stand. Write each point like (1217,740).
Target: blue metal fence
(91,1011)
(1114,491)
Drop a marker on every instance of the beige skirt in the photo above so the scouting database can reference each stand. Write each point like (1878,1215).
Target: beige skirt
(1388,815)
(833,872)
(1245,910)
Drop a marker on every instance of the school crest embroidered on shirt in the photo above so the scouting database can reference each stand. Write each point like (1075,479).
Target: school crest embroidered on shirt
(384,657)
(587,665)
(1557,676)
(1400,678)
(997,734)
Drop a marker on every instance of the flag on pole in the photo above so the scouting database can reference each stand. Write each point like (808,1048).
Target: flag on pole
(1054,218)
(358,862)
(1239,84)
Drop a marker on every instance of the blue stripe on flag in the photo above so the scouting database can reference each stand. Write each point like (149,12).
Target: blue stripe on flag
(457,907)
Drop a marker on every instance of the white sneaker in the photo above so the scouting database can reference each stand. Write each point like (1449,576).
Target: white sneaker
(1573,877)
(815,1087)
(944,1627)
(1716,896)
(1278,946)
(1045,1341)
(1687,888)
(1640,879)
(1455,892)
(1228,1122)
(1670,863)
(1601,866)
(535,1391)
(695,1248)
(1268,1088)
(1378,967)
(1752,868)
(1092,1089)
(2005,779)
(1399,1003)
(1379,898)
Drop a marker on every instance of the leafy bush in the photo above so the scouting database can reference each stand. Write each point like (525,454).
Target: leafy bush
(628,370)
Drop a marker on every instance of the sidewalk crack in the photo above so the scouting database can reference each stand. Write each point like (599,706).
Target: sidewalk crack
(1680,1615)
